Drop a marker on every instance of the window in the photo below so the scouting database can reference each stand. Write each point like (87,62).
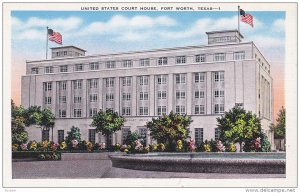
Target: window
(93,98)
(92,135)
(109,82)
(239,55)
(161,94)
(199,109)
(126,81)
(126,111)
(200,58)
(77,112)
(219,76)
(198,135)
(162,61)
(180,94)
(34,70)
(62,85)
(219,57)
(65,53)
(94,66)
(144,96)
(78,67)
(127,63)
(199,94)
(180,78)
(109,96)
(77,84)
(62,113)
(161,110)
(144,80)
(126,97)
(110,64)
(45,135)
(60,136)
(63,68)
(93,83)
(199,77)
(217,134)
(47,86)
(180,109)
(219,93)
(219,108)
(143,110)
(125,133)
(143,134)
(93,112)
(62,99)
(77,99)
(162,79)
(48,69)
(48,100)
(180,59)
(145,62)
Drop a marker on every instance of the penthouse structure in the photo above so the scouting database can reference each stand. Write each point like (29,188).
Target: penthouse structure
(200,81)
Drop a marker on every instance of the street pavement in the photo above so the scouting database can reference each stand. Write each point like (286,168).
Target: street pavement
(102,168)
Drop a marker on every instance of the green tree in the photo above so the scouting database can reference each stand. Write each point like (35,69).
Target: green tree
(107,122)
(74,133)
(279,126)
(239,126)
(170,128)
(19,135)
(22,118)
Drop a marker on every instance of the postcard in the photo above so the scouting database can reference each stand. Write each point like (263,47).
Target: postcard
(150,95)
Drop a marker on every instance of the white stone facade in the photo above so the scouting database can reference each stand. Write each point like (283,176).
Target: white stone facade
(201,81)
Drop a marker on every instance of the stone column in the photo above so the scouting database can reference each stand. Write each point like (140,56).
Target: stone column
(134,97)
(189,92)
(53,98)
(209,93)
(85,98)
(170,93)
(69,99)
(117,95)
(100,94)
(152,105)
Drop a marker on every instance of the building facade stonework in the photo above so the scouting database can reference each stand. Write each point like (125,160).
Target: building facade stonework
(200,81)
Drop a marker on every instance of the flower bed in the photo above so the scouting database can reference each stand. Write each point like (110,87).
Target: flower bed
(37,155)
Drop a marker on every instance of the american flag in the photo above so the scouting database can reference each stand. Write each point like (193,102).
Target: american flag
(247,18)
(54,36)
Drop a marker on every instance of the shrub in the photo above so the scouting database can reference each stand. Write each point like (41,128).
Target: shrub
(231,148)
(179,146)
(265,143)
(73,134)
(63,145)
(161,147)
(131,138)
(15,147)
(154,147)
(192,145)
(32,145)
(19,138)
(23,146)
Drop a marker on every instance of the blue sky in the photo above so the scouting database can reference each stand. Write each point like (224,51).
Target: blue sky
(104,32)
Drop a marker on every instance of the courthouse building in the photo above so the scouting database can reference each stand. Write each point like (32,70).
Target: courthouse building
(200,81)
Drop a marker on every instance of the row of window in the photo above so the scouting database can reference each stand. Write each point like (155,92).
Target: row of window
(144,110)
(125,132)
(142,62)
(127,96)
(143,80)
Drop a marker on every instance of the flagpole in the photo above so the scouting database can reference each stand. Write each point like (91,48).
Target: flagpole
(239,19)
(47,44)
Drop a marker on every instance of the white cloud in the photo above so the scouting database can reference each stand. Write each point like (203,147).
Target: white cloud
(267,42)
(36,27)
(278,25)
(32,34)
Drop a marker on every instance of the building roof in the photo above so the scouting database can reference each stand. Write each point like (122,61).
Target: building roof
(224,31)
(68,47)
